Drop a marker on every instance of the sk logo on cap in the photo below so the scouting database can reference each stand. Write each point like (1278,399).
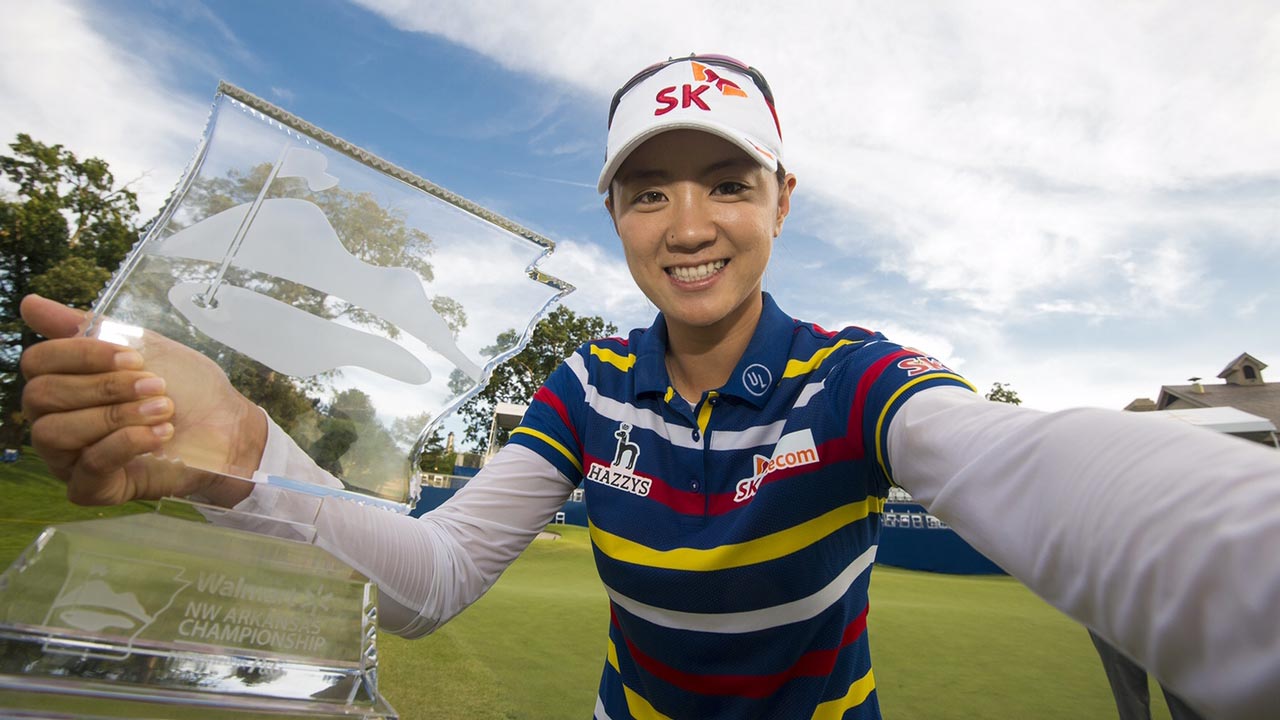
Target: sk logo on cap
(691,95)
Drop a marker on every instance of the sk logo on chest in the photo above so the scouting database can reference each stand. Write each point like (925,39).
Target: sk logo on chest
(793,450)
(620,473)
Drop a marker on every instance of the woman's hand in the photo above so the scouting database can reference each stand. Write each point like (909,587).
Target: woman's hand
(104,417)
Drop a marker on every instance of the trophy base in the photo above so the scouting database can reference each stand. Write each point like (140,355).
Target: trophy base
(154,616)
(74,700)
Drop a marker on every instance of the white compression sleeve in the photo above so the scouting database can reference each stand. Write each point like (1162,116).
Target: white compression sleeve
(1163,538)
(427,569)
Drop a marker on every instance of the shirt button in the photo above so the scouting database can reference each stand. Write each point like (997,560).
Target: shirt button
(694,485)
(696,435)
(715,401)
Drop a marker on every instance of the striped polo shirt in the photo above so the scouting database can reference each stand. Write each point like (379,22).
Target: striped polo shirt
(734,538)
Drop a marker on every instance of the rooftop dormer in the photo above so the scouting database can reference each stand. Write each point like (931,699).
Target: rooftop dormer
(1244,370)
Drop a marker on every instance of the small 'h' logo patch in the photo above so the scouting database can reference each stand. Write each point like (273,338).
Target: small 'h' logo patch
(620,474)
(757,379)
(628,452)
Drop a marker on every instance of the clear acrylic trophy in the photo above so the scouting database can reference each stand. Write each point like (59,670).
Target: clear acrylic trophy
(355,303)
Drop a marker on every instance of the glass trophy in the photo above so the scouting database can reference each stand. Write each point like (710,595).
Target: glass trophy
(356,304)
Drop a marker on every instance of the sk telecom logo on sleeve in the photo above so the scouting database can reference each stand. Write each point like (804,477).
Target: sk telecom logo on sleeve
(690,94)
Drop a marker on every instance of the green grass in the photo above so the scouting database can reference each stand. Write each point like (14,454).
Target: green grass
(945,647)
(31,499)
(532,647)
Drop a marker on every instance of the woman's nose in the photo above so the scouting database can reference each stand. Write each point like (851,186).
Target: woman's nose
(692,225)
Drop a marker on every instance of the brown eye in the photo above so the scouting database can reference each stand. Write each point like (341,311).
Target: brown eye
(729,187)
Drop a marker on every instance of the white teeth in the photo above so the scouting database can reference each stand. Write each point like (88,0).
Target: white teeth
(696,273)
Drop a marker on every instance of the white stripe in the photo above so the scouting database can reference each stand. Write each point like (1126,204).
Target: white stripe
(808,392)
(628,413)
(751,620)
(680,436)
(752,437)
(600,714)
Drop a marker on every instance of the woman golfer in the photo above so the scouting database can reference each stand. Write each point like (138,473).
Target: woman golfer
(736,461)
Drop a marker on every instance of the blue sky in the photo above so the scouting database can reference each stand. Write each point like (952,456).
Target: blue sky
(1083,202)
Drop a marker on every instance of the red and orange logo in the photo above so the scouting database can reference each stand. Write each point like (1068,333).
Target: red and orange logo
(691,95)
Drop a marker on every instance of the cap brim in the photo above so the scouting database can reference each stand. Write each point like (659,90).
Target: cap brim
(746,144)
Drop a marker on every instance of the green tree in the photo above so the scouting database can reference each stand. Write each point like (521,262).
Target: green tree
(554,338)
(62,233)
(434,457)
(1001,392)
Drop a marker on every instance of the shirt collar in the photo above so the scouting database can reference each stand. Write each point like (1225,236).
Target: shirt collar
(651,352)
(757,373)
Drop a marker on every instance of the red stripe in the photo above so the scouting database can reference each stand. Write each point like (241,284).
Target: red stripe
(815,663)
(712,504)
(681,501)
(553,401)
(854,433)
(821,331)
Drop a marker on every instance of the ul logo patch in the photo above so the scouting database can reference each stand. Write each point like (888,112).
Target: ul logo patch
(757,379)
(628,452)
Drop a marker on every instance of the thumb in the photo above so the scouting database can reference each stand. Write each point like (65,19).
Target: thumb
(51,319)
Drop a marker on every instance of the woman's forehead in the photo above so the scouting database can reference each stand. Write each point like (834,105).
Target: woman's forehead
(684,152)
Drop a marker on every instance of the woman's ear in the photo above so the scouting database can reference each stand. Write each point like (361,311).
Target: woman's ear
(785,189)
(608,205)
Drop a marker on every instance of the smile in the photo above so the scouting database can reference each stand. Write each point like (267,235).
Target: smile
(697,272)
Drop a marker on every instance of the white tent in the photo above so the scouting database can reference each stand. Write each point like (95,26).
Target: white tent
(1222,419)
(506,416)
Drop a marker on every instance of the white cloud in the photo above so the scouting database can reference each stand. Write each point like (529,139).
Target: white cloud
(1075,307)
(64,83)
(603,282)
(977,171)
(936,345)
(996,148)
(1166,278)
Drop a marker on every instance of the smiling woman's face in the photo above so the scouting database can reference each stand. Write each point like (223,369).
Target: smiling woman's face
(697,218)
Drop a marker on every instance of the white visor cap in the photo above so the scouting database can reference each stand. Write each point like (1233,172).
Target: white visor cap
(694,95)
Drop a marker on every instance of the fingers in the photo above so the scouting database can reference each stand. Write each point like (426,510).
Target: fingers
(74,429)
(79,356)
(45,394)
(49,318)
(98,476)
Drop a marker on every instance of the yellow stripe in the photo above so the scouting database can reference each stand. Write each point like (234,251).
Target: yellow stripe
(639,707)
(884,412)
(858,693)
(800,367)
(622,362)
(550,441)
(769,547)
(704,413)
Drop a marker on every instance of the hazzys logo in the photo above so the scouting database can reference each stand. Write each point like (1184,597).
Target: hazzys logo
(690,94)
(620,473)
